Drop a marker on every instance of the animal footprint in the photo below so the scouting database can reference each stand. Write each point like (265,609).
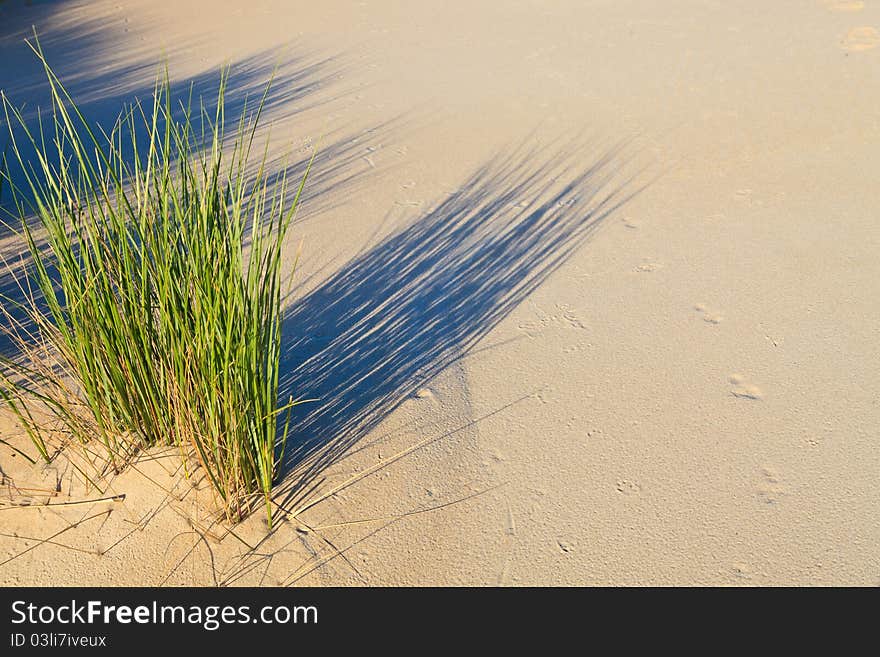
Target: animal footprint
(569,317)
(496,456)
(628,488)
(770,490)
(743,389)
(564,317)
(423,393)
(649,266)
(861,38)
(709,316)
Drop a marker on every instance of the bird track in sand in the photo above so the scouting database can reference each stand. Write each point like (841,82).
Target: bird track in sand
(743,389)
(565,317)
(709,316)
(770,488)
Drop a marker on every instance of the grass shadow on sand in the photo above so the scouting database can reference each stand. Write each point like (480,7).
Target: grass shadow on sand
(392,318)
(301,82)
(105,72)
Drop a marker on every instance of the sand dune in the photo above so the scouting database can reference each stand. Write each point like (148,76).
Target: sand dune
(589,294)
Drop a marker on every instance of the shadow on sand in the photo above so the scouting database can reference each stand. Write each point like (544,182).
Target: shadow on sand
(397,314)
(300,83)
(392,318)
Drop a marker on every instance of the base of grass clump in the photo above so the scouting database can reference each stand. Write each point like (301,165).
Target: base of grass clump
(149,309)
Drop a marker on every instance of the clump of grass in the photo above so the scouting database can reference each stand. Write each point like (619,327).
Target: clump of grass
(148,308)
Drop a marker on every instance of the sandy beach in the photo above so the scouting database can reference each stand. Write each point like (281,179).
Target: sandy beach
(589,294)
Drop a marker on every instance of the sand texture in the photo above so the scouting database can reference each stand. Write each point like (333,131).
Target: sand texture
(589,294)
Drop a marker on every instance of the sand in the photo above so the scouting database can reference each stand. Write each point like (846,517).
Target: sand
(602,275)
